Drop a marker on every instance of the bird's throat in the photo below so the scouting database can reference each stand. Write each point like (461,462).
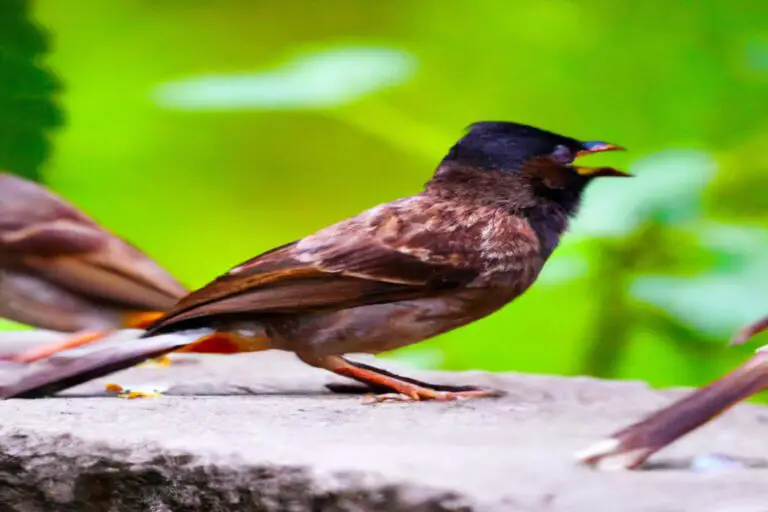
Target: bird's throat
(549,223)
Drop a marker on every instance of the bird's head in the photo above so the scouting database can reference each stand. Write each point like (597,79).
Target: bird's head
(537,159)
(512,147)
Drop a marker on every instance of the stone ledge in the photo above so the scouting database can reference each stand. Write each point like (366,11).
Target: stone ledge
(259,432)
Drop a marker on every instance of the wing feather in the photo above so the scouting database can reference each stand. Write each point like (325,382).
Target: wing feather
(352,263)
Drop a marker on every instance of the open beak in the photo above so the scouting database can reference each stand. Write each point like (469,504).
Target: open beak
(598,147)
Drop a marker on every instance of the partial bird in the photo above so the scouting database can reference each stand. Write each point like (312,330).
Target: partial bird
(631,446)
(474,239)
(61,271)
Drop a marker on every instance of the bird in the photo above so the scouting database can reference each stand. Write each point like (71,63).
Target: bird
(631,446)
(471,241)
(61,271)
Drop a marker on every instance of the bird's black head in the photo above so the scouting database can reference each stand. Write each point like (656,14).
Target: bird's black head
(512,147)
(519,168)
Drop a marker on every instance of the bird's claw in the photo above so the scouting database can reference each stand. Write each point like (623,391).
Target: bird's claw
(387,397)
(419,394)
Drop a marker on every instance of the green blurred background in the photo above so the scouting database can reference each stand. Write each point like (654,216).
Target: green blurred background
(207,131)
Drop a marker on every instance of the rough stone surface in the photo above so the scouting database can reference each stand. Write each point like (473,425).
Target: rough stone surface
(260,433)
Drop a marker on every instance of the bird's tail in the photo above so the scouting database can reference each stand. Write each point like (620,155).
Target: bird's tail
(631,446)
(117,351)
(749,331)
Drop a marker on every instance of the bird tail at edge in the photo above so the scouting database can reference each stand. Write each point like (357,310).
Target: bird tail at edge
(631,446)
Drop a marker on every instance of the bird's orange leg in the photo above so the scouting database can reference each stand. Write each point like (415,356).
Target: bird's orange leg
(133,320)
(217,343)
(48,349)
(396,387)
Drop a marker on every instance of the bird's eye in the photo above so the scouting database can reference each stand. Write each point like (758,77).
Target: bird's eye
(562,155)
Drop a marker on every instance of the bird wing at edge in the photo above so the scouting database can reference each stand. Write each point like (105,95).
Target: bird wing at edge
(43,235)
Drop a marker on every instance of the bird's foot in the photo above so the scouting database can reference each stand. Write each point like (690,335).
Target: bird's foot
(381,385)
(420,394)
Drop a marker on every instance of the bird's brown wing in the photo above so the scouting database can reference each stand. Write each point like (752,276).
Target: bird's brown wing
(43,235)
(356,262)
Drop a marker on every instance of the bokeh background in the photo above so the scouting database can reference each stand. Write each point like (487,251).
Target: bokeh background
(207,131)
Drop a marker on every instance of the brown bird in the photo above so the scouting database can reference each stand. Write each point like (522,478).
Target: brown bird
(60,270)
(472,241)
(631,446)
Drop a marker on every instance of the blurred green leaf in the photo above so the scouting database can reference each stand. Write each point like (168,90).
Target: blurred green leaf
(725,298)
(738,192)
(28,110)
(6,325)
(666,188)
(313,80)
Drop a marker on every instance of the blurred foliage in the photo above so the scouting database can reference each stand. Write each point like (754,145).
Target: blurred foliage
(27,90)
(208,131)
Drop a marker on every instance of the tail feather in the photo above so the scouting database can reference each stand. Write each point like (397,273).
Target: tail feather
(69,368)
(631,446)
(749,331)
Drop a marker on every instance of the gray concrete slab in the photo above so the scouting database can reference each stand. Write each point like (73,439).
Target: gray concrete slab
(259,432)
